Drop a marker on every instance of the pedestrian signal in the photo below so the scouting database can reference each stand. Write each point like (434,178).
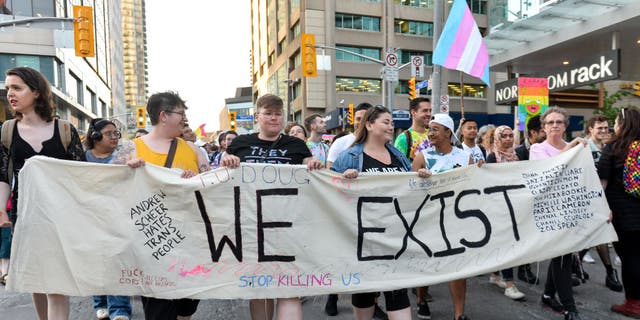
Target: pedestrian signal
(83,33)
(308,53)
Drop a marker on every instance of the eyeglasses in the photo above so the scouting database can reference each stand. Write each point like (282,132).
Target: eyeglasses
(181,113)
(272,114)
(112,134)
(558,122)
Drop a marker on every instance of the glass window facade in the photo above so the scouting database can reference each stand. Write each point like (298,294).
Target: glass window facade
(358,85)
(356,22)
(478,6)
(369,52)
(41,63)
(415,3)
(295,30)
(405,56)
(418,28)
(470,90)
(32,8)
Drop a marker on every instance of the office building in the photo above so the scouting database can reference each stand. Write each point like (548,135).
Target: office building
(367,27)
(83,88)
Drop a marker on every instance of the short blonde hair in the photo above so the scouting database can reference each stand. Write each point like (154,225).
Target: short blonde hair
(551,110)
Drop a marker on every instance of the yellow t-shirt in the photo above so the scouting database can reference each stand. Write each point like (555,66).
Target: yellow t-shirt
(185,158)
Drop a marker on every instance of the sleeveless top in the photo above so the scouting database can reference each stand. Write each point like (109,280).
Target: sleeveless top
(185,158)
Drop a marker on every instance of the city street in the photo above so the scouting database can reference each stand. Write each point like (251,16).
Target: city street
(484,301)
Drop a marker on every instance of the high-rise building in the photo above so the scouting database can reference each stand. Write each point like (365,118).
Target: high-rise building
(83,88)
(366,27)
(134,32)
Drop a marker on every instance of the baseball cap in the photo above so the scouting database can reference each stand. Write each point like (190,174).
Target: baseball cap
(445,120)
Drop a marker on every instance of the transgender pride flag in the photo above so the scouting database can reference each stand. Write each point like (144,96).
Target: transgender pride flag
(460,47)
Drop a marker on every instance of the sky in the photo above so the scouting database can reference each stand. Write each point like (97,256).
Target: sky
(201,49)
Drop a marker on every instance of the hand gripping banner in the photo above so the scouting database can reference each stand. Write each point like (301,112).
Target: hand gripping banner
(264,231)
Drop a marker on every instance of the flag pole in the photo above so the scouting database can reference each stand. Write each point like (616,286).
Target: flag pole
(438,14)
(461,94)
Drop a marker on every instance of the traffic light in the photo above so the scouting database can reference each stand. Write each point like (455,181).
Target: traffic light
(141,117)
(351,114)
(412,88)
(308,52)
(83,33)
(232,120)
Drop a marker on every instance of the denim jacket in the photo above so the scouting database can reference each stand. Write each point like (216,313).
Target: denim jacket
(352,158)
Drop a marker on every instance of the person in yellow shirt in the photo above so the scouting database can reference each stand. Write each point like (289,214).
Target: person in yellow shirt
(166,111)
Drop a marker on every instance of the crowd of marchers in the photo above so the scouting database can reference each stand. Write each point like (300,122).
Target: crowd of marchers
(431,145)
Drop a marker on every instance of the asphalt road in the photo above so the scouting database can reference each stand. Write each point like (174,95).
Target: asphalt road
(484,301)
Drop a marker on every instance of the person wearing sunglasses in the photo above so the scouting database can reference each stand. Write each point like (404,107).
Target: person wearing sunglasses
(559,279)
(101,143)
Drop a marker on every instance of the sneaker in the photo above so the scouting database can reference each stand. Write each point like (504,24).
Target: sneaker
(331,307)
(379,314)
(552,304)
(572,315)
(423,311)
(462,317)
(525,274)
(497,280)
(588,258)
(102,313)
(513,293)
(612,281)
(120,318)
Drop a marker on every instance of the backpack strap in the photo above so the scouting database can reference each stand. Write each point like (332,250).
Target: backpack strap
(64,128)
(7,133)
(409,143)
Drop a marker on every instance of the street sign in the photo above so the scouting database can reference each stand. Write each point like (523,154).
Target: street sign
(417,66)
(422,84)
(244,118)
(444,104)
(391,66)
(401,115)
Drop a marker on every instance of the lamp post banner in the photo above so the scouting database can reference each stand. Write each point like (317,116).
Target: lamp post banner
(265,231)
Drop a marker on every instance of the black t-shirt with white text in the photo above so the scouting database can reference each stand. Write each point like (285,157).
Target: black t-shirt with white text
(370,164)
(251,149)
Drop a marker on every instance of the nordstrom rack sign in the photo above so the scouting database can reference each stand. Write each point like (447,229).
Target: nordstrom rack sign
(594,69)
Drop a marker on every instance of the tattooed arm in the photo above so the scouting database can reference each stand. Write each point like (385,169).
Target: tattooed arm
(127,155)
(203,164)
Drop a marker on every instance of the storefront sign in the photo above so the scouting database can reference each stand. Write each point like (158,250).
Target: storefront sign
(594,69)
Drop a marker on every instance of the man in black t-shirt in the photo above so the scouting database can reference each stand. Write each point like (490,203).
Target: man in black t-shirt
(270,146)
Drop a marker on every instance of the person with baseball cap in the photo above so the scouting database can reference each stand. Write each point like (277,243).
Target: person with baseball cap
(443,156)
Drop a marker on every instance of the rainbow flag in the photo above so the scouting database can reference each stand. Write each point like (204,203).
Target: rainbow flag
(460,47)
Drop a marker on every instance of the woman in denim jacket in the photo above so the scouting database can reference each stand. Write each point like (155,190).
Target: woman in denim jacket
(372,152)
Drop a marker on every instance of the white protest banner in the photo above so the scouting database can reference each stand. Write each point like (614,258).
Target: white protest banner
(282,231)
